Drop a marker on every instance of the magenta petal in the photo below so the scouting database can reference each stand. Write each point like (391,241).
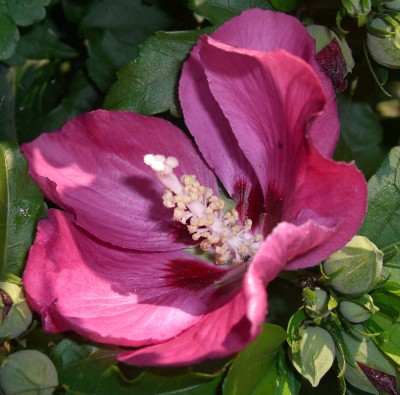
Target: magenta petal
(223,331)
(269,99)
(234,319)
(75,282)
(330,194)
(210,129)
(93,167)
(263,31)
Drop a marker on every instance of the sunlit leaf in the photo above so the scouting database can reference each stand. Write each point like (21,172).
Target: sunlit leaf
(255,369)
(313,353)
(382,222)
(20,207)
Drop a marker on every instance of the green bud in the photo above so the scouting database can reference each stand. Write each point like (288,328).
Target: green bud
(356,268)
(357,9)
(392,4)
(358,310)
(28,372)
(383,40)
(317,302)
(313,353)
(15,315)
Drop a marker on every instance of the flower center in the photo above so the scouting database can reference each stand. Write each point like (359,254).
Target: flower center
(203,213)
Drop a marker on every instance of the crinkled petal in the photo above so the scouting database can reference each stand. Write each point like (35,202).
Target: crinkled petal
(129,298)
(286,247)
(93,167)
(330,194)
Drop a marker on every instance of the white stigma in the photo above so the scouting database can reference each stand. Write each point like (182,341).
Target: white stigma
(202,212)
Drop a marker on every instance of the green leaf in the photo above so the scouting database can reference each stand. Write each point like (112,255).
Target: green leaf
(114,29)
(255,369)
(364,350)
(7,103)
(145,87)
(361,134)
(86,369)
(382,222)
(219,11)
(26,12)
(313,353)
(41,43)
(390,343)
(21,205)
(9,36)
(285,5)
(47,96)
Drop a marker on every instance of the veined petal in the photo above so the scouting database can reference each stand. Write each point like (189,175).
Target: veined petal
(257,30)
(128,298)
(287,247)
(269,99)
(269,31)
(93,167)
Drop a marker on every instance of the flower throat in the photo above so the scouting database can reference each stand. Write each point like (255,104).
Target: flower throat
(203,213)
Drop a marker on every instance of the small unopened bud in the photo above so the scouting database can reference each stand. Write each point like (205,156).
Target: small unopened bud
(383,40)
(356,268)
(358,310)
(392,4)
(317,302)
(15,315)
(28,372)
(358,9)
(332,54)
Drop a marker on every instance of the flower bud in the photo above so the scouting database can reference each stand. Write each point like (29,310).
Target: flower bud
(383,40)
(392,4)
(356,268)
(28,372)
(15,315)
(357,9)
(317,302)
(332,54)
(359,310)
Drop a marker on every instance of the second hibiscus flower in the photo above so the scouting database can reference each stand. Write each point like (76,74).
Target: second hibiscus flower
(116,267)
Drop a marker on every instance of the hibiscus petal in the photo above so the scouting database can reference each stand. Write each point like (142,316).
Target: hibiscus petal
(222,332)
(76,282)
(211,130)
(268,99)
(93,167)
(253,29)
(285,248)
(333,195)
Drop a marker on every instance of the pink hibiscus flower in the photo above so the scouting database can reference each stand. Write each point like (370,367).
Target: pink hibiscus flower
(114,265)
